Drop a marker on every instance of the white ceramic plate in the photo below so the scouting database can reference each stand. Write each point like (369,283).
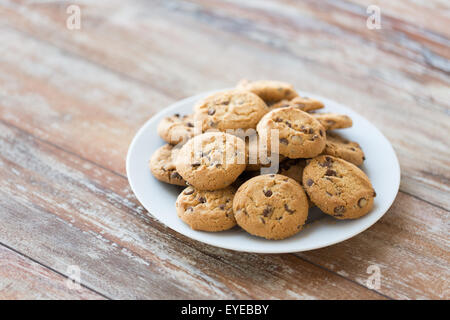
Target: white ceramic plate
(158,198)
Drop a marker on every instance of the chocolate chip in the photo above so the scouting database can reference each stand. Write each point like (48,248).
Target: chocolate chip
(267,211)
(288,124)
(189,191)
(175,175)
(222,207)
(364,158)
(262,220)
(212,124)
(211,111)
(309,182)
(362,202)
(202,199)
(196,164)
(189,209)
(327,163)
(331,173)
(311,131)
(374,194)
(339,210)
(190,124)
(272,175)
(218,165)
(177,115)
(284,141)
(278,119)
(286,207)
(314,137)
(267,193)
(321,133)
(353,149)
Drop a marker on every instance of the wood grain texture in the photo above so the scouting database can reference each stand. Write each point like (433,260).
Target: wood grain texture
(71,101)
(21,278)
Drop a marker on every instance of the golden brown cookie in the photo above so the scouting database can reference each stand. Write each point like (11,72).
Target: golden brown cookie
(272,206)
(302,103)
(233,109)
(162,165)
(338,188)
(176,129)
(342,148)
(268,90)
(207,210)
(299,134)
(212,160)
(332,121)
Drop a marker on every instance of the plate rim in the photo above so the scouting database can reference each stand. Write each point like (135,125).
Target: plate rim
(175,105)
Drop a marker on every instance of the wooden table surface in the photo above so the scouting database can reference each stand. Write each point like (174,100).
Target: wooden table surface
(72,100)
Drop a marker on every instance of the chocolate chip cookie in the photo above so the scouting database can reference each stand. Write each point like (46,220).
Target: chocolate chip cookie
(332,121)
(272,206)
(233,109)
(338,188)
(268,90)
(162,165)
(207,210)
(212,160)
(176,129)
(299,134)
(342,148)
(302,103)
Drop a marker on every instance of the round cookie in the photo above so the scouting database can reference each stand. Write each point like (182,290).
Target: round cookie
(269,90)
(331,121)
(299,134)
(233,109)
(212,160)
(176,129)
(342,148)
(257,158)
(338,188)
(302,103)
(207,210)
(272,206)
(162,165)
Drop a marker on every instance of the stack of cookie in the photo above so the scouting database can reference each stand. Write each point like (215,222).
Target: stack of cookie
(260,156)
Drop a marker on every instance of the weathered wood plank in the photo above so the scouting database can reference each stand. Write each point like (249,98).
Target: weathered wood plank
(388,81)
(21,278)
(61,210)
